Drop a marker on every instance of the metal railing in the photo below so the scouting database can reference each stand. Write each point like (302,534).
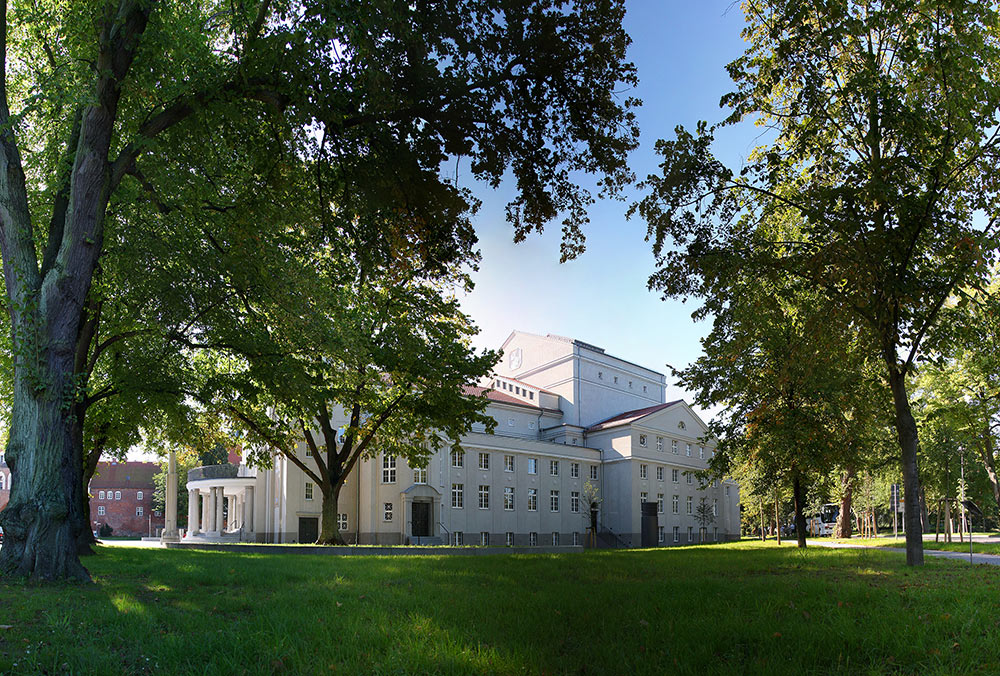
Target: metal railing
(227,471)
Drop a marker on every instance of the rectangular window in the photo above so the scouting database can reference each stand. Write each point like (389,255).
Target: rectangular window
(458,496)
(457,458)
(309,490)
(457,538)
(659,503)
(674,475)
(508,498)
(690,534)
(659,474)
(715,534)
(675,502)
(508,463)
(576,539)
(689,477)
(715,507)
(484,461)
(387,511)
(688,450)
(138,511)
(673,446)
(118,495)
(138,496)
(532,499)
(100,510)
(484,539)
(593,472)
(659,443)
(509,538)
(484,497)
(677,533)
(644,496)
(643,471)
(727,491)
(690,505)
(388,469)
(101,495)
(574,470)
(419,475)
(660,536)
(532,465)
(554,467)
(532,539)
(642,440)
(553,501)
(574,502)
(555,539)
(342,522)
(701,452)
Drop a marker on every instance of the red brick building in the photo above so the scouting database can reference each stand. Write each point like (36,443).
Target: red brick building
(121,495)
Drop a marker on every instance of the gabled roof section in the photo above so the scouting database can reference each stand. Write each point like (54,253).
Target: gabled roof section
(124,475)
(629,417)
(501,397)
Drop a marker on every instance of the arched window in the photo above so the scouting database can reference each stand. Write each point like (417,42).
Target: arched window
(3,480)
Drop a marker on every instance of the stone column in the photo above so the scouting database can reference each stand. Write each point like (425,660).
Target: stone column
(193,526)
(206,519)
(170,533)
(220,502)
(248,509)
(213,524)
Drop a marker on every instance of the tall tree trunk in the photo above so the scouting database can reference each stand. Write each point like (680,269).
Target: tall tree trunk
(843,529)
(777,519)
(798,495)
(329,530)
(906,429)
(925,520)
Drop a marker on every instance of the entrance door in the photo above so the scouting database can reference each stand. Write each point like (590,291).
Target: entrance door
(308,529)
(421,519)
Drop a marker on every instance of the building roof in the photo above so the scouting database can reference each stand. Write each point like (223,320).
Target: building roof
(124,475)
(501,397)
(580,343)
(630,416)
(526,384)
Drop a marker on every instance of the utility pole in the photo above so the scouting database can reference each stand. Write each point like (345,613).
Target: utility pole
(961,451)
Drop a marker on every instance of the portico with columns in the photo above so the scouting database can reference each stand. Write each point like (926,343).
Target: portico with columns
(221,503)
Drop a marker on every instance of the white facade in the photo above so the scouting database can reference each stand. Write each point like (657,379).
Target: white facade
(567,414)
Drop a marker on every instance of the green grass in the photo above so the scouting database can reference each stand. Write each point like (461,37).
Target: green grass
(748,608)
(954,546)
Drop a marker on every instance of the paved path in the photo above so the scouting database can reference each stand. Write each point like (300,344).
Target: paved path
(988,559)
(147,544)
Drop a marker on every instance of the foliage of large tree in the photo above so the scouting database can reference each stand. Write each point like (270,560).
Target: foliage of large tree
(95,98)
(881,138)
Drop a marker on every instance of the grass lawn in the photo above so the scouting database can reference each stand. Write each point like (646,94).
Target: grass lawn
(734,609)
(954,546)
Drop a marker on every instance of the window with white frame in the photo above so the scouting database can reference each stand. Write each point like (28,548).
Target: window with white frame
(674,475)
(675,504)
(509,538)
(508,498)
(419,475)
(715,507)
(574,470)
(484,496)
(690,533)
(138,510)
(643,471)
(387,511)
(532,539)
(458,496)
(458,458)
(508,463)
(532,465)
(688,450)
(659,443)
(677,533)
(593,472)
(690,505)
(388,469)
(574,502)
(727,491)
(553,467)
(576,539)
(673,446)
(642,440)
(555,539)
(457,538)
(484,461)
(309,490)
(553,501)
(484,539)
(659,503)
(100,495)
(715,534)
(643,497)
(701,452)
(532,499)
(118,495)
(660,536)
(690,477)
(659,474)
(100,510)
(341,521)
(138,496)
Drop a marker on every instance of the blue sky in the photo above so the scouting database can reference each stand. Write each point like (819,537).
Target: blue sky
(681,49)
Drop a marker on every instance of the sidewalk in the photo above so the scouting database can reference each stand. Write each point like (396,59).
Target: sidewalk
(987,559)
